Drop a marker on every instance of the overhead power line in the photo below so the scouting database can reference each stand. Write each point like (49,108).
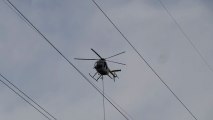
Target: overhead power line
(11,7)
(13,90)
(21,91)
(144,60)
(93,85)
(186,36)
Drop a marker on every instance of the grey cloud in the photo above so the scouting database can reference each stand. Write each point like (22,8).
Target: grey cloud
(75,27)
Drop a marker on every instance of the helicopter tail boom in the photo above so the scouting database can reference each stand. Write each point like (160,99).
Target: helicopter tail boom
(115,70)
(113,73)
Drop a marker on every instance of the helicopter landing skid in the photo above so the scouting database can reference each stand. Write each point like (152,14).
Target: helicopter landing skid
(94,77)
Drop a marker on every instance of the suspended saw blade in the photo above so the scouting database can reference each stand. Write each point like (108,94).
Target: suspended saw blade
(115,55)
(116,62)
(97,53)
(84,59)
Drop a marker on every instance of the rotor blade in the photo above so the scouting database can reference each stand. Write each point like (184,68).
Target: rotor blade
(84,59)
(116,62)
(115,55)
(96,53)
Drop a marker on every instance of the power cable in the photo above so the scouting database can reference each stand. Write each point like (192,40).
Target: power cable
(144,60)
(28,96)
(5,1)
(25,100)
(118,106)
(186,36)
(29,23)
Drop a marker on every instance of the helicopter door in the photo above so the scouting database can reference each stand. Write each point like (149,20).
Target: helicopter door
(105,65)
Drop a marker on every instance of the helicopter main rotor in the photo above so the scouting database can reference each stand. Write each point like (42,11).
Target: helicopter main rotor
(97,53)
(103,58)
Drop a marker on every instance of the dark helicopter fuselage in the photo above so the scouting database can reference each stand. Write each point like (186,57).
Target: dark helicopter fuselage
(101,67)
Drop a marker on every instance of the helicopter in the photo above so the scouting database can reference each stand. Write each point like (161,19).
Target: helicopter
(102,68)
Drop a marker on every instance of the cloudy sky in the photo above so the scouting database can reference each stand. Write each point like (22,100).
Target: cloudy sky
(75,26)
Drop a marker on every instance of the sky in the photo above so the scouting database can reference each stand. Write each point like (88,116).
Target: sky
(76,26)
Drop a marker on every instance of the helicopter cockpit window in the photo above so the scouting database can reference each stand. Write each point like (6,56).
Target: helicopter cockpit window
(98,65)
